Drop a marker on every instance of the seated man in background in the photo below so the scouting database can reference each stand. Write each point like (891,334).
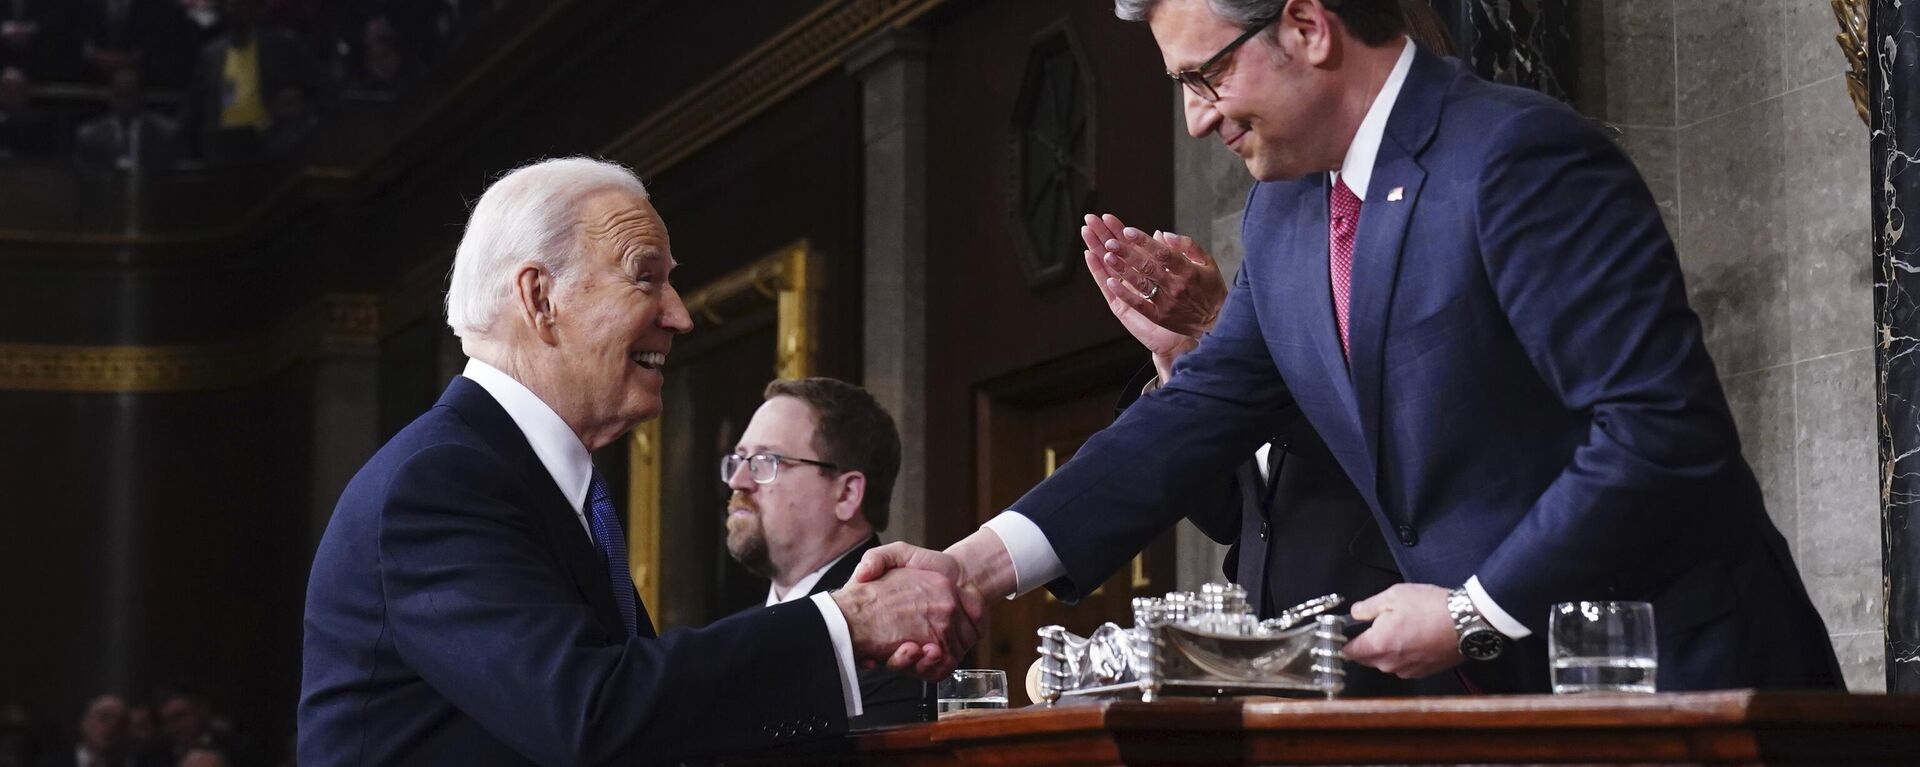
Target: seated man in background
(811,478)
(472,602)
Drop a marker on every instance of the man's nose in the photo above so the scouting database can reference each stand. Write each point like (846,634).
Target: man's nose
(1202,117)
(742,478)
(674,315)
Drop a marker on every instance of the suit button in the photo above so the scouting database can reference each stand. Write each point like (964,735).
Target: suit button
(1408,537)
(1265,527)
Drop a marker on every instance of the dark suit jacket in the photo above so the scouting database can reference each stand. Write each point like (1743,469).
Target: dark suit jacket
(1529,398)
(887,697)
(1307,534)
(458,614)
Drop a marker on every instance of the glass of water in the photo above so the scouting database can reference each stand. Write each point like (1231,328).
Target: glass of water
(1602,647)
(971,688)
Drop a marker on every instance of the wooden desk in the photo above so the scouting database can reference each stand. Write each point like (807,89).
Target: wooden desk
(1734,727)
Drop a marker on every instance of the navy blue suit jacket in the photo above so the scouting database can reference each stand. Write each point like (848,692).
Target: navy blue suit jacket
(458,614)
(1529,398)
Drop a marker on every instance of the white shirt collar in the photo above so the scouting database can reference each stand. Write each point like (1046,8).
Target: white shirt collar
(804,586)
(553,441)
(1357,169)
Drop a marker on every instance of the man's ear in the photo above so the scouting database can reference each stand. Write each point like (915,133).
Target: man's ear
(1311,28)
(852,491)
(533,288)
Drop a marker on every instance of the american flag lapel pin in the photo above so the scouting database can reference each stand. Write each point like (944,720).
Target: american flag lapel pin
(1396,194)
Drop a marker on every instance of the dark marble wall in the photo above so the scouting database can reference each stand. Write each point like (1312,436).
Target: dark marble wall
(1529,43)
(1894,78)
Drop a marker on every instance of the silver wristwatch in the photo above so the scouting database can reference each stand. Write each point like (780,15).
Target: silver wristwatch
(1478,639)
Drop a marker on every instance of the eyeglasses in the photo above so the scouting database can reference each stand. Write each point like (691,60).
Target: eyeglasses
(763,467)
(1196,78)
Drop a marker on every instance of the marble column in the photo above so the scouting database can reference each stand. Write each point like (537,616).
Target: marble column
(892,70)
(1529,43)
(1894,80)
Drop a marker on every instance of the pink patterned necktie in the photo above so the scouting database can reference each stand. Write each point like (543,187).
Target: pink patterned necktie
(1343,220)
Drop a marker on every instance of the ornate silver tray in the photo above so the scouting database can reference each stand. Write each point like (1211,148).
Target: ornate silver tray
(1205,645)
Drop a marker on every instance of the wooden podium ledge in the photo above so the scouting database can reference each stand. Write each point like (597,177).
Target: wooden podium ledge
(1730,727)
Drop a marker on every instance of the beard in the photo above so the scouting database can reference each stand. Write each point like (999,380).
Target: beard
(746,540)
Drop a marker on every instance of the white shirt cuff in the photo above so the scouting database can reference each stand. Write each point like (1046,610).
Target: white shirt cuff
(1034,563)
(1501,621)
(842,639)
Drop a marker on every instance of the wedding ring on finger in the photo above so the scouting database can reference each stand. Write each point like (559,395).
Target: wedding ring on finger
(1153,289)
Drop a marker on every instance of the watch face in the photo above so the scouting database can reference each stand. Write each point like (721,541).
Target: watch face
(1482,644)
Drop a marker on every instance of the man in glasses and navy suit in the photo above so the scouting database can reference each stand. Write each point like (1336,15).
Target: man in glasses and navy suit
(471,602)
(1468,292)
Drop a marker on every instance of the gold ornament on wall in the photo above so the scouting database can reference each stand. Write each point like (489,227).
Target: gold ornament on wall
(1852,16)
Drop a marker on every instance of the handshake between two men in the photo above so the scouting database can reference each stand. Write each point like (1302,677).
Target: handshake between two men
(918,619)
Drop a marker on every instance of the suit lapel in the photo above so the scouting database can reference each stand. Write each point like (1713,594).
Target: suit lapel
(572,546)
(1379,245)
(842,571)
(1377,250)
(1310,309)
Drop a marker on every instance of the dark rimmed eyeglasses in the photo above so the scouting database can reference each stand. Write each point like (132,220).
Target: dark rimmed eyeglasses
(1196,78)
(763,467)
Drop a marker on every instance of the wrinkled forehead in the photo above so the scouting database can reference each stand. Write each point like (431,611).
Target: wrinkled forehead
(625,220)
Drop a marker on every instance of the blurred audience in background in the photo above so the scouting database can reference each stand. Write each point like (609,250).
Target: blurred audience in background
(180,729)
(232,80)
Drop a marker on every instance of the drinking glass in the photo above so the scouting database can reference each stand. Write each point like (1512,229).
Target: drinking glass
(971,688)
(1602,647)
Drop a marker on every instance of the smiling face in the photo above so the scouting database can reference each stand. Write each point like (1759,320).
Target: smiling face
(1276,107)
(614,319)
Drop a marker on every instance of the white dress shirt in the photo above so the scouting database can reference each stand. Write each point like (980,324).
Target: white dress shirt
(1034,560)
(806,583)
(567,460)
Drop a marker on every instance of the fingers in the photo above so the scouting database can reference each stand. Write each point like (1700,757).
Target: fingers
(1091,236)
(904,658)
(1365,610)
(1095,267)
(888,557)
(1185,246)
(934,664)
(1133,297)
(1119,270)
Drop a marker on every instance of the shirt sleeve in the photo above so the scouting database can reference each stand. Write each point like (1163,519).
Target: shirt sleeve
(842,639)
(1501,621)
(1034,561)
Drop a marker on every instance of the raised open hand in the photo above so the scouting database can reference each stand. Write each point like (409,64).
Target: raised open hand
(1167,278)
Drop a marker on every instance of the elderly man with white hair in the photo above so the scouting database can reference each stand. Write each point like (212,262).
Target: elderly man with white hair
(471,601)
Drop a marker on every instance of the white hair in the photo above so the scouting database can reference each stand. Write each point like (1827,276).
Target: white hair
(530,216)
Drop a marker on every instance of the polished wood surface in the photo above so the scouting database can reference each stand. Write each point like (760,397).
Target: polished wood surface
(1731,727)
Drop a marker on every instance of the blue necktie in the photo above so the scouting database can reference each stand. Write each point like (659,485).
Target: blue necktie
(612,543)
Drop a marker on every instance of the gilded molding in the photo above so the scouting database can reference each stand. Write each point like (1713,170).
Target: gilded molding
(135,369)
(150,369)
(1852,17)
(643,512)
(753,83)
(789,279)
